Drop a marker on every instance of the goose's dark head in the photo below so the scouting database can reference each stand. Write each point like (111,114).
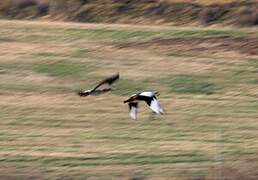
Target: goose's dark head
(83,93)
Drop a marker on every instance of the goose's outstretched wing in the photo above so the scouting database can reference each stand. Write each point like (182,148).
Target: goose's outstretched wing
(155,106)
(105,85)
(151,99)
(133,109)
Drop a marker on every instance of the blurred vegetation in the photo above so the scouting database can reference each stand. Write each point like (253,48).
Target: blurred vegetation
(189,84)
(134,11)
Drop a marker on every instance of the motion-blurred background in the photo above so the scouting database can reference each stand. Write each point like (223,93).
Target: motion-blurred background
(200,55)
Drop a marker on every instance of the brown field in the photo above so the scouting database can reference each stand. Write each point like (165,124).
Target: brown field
(207,79)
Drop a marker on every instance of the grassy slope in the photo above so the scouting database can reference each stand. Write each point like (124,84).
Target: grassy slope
(202,1)
(210,124)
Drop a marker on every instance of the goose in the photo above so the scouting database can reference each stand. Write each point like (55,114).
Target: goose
(102,87)
(150,97)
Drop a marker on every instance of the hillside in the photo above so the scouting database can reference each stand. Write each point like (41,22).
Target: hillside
(178,12)
(206,77)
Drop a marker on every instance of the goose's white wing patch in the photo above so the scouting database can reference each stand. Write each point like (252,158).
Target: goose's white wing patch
(147,93)
(133,109)
(155,106)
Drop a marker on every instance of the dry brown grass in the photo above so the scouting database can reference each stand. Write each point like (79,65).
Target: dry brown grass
(205,2)
(47,132)
(173,12)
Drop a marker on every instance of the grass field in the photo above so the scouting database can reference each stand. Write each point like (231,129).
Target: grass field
(208,84)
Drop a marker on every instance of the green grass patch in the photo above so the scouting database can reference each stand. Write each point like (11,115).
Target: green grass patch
(191,84)
(208,33)
(129,87)
(105,34)
(21,87)
(120,159)
(38,34)
(125,35)
(62,68)
(174,54)
(80,53)
(255,81)
(246,73)
(14,66)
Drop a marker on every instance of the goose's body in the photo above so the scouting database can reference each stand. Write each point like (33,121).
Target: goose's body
(102,87)
(149,97)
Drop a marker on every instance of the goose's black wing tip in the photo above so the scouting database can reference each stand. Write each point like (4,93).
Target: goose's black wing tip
(133,104)
(113,78)
(116,76)
(110,80)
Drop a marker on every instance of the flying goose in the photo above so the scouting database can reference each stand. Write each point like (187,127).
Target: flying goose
(102,87)
(149,97)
